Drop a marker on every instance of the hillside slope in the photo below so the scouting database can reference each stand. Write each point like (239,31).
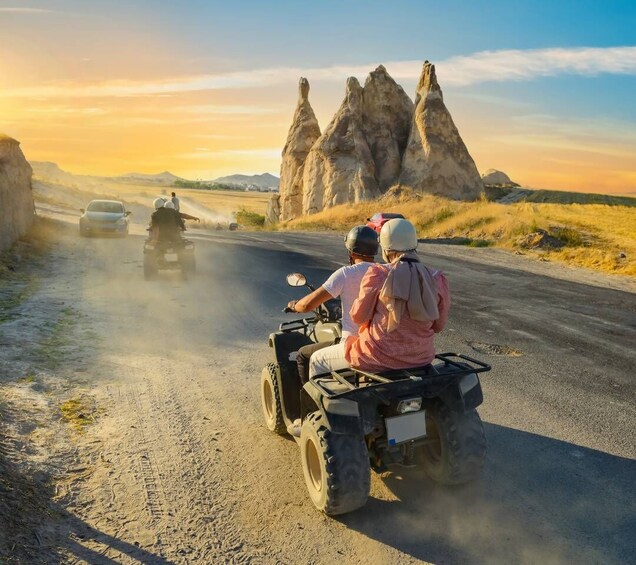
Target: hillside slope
(596,236)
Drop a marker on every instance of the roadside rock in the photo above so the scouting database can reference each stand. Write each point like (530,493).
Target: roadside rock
(339,168)
(436,159)
(16,196)
(493,177)
(386,121)
(273,209)
(540,239)
(303,133)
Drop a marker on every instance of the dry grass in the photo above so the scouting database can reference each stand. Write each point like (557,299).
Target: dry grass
(221,201)
(594,235)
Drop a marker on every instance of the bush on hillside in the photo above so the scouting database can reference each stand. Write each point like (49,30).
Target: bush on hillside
(248,218)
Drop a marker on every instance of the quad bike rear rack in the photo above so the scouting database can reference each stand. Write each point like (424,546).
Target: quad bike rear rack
(356,380)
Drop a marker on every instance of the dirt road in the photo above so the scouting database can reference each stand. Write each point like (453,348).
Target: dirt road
(174,465)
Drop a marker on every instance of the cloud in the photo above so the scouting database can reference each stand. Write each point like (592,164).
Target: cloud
(221,136)
(218,109)
(26,11)
(599,136)
(511,65)
(485,66)
(201,153)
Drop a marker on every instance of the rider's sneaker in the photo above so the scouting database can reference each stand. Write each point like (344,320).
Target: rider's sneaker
(294,428)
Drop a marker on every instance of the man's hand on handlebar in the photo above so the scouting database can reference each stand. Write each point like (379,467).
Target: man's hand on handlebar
(291,306)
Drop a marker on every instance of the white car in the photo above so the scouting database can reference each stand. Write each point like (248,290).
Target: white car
(104,217)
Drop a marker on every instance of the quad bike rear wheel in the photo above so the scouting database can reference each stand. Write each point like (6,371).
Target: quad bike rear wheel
(336,467)
(150,266)
(270,399)
(456,448)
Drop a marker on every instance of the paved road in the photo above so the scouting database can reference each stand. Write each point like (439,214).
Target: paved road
(560,408)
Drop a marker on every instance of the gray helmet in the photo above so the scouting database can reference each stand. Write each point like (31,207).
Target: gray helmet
(362,240)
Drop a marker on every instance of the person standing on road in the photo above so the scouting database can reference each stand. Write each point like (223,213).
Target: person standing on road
(362,245)
(401,306)
(175,201)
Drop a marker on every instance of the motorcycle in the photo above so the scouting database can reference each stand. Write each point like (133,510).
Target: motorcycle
(355,421)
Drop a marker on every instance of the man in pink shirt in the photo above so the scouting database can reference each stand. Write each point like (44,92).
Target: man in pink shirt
(400,307)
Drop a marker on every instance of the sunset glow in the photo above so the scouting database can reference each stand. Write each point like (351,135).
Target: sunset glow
(205,90)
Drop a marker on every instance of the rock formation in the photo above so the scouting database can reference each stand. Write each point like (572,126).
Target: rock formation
(340,167)
(493,177)
(436,160)
(16,197)
(386,121)
(378,139)
(303,133)
(273,209)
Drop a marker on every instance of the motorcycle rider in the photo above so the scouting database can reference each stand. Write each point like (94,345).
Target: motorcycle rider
(400,307)
(164,222)
(362,245)
(178,216)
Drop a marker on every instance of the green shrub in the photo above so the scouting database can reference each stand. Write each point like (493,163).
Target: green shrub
(248,218)
(569,236)
(480,243)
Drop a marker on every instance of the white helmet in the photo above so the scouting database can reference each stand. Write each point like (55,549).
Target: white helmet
(398,235)
(169,204)
(158,203)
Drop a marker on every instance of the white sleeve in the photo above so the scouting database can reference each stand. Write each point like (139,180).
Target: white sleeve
(334,285)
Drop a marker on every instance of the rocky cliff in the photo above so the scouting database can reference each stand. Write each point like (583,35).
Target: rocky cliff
(386,122)
(303,133)
(340,167)
(493,177)
(377,139)
(272,215)
(436,159)
(16,198)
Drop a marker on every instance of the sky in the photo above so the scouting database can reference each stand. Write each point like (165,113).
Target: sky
(543,91)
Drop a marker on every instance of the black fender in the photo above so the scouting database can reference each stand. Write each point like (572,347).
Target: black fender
(341,415)
(463,394)
(285,346)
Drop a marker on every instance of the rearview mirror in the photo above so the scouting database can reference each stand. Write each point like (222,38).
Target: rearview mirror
(296,279)
(82,210)
(128,213)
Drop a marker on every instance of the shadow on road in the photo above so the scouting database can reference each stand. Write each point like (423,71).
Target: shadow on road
(537,499)
(36,529)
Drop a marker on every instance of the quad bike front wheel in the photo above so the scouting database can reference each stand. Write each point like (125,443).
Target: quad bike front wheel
(270,399)
(455,450)
(336,467)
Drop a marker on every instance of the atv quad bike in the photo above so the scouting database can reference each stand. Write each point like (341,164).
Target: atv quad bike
(176,254)
(354,421)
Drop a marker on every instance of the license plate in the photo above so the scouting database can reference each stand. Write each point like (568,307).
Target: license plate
(406,427)
(171,257)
